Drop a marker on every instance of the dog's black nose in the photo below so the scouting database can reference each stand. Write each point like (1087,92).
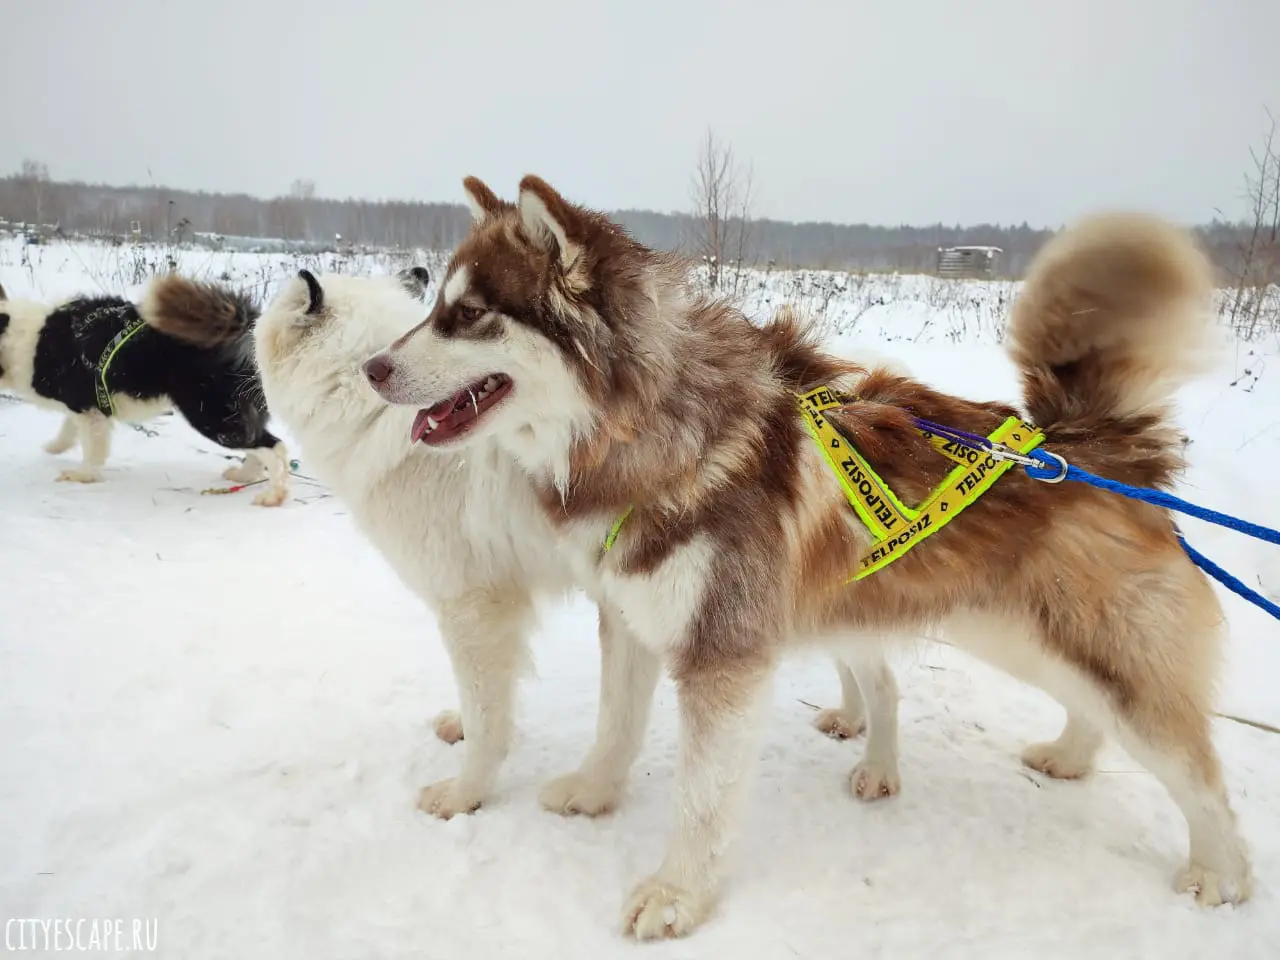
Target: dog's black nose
(377,368)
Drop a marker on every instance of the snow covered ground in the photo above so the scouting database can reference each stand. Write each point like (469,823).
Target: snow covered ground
(217,717)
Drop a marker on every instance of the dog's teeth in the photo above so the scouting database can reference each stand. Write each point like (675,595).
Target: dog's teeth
(431,424)
(491,384)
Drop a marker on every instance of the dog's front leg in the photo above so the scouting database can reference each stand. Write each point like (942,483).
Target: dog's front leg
(876,775)
(850,718)
(66,438)
(95,446)
(628,675)
(275,459)
(721,707)
(485,634)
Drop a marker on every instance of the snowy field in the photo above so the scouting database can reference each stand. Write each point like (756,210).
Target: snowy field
(217,717)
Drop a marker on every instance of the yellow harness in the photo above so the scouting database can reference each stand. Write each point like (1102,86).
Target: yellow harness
(101,391)
(895,527)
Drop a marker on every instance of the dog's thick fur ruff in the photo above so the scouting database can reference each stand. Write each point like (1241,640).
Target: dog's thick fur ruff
(465,533)
(628,389)
(195,354)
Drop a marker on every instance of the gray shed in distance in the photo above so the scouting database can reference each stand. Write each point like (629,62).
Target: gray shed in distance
(969,262)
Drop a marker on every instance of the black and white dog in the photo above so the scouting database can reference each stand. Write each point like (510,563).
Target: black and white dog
(187,345)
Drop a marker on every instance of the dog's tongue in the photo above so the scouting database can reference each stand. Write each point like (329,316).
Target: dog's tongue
(444,407)
(441,412)
(438,413)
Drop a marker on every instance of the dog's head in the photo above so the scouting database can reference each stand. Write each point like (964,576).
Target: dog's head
(314,336)
(531,316)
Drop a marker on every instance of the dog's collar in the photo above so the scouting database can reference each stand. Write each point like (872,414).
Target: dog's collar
(614,530)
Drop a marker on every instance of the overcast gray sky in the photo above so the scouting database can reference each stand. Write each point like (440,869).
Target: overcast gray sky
(911,111)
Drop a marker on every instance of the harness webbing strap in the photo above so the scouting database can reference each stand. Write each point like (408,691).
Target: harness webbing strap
(895,527)
(870,496)
(102,393)
(958,490)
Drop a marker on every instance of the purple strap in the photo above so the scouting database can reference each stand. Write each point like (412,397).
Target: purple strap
(962,437)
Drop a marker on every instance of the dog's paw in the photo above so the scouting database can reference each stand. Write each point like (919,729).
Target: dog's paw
(837,724)
(448,726)
(446,800)
(871,780)
(1049,758)
(242,473)
(79,475)
(578,793)
(1212,889)
(271,497)
(657,910)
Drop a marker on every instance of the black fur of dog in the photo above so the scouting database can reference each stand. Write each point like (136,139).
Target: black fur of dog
(188,345)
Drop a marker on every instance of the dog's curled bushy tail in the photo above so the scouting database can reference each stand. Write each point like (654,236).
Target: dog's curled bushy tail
(207,315)
(1113,317)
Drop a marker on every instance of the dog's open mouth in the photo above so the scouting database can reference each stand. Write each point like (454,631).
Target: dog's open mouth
(451,418)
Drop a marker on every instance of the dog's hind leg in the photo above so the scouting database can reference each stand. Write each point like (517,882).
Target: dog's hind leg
(66,438)
(1169,734)
(95,447)
(1166,643)
(1176,746)
(628,675)
(485,635)
(850,718)
(1140,667)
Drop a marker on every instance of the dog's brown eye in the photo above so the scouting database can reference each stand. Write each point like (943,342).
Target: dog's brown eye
(469,313)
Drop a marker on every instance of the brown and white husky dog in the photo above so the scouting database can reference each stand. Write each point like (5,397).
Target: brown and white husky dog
(590,358)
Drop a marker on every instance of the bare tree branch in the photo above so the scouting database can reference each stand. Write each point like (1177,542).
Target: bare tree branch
(34,176)
(1254,305)
(722,197)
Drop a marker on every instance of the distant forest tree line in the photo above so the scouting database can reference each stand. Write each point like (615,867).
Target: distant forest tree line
(300,217)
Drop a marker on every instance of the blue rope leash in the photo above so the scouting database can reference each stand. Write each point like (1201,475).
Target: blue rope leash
(1227,580)
(1050,468)
(1053,470)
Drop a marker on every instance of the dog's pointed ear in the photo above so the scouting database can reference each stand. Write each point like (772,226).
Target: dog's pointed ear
(415,280)
(315,294)
(482,201)
(548,219)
